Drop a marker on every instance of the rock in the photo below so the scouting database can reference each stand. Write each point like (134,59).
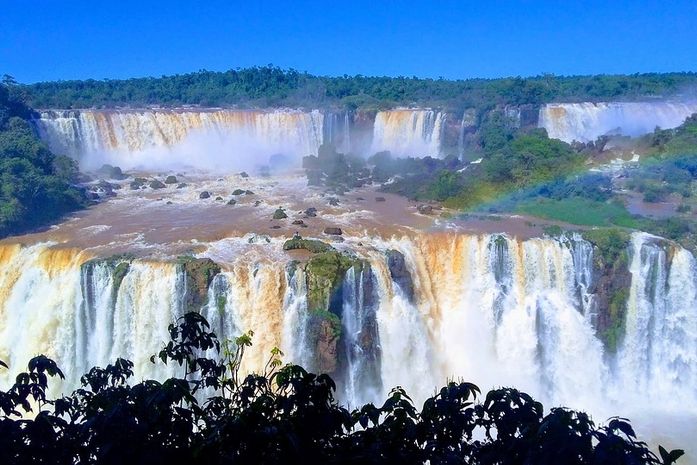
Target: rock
(171,180)
(279,214)
(311,245)
(359,198)
(298,222)
(400,274)
(244,174)
(237,192)
(156,184)
(257,203)
(219,198)
(425,209)
(259,239)
(140,180)
(135,185)
(111,172)
(231,202)
(248,192)
(311,212)
(275,226)
(333,201)
(92,196)
(333,231)
(220,179)
(204,195)
(199,273)
(379,199)
(169,202)
(181,185)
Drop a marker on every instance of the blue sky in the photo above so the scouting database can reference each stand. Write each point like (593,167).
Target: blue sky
(47,40)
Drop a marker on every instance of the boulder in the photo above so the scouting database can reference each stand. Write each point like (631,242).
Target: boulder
(333,201)
(204,195)
(279,214)
(298,222)
(111,172)
(171,180)
(248,192)
(135,185)
(181,185)
(311,245)
(156,184)
(231,202)
(244,174)
(218,198)
(199,273)
(237,192)
(400,274)
(311,212)
(425,209)
(333,231)
(379,199)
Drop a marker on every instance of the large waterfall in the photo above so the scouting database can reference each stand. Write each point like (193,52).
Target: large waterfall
(585,122)
(408,132)
(231,139)
(422,309)
(160,138)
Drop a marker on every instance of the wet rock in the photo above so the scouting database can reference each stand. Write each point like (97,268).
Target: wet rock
(156,184)
(333,231)
(198,273)
(298,222)
(360,198)
(333,201)
(244,174)
(279,214)
(219,198)
(311,245)
(181,185)
(379,199)
(425,209)
(231,202)
(169,202)
(204,195)
(275,226)
(238,192)
(257,203)
(248,192)
(111,172)
(171,180)
(259,239)
(311,212)
(135,185)
(400,274)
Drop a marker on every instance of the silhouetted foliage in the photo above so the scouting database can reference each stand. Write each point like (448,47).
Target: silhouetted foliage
(286,415)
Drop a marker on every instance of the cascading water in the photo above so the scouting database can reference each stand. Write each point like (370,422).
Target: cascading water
(418,311)
(585,122)
(203,139)
(408,132)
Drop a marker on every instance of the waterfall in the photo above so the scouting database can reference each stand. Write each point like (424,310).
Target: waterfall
(414,133)
(585,122)
(419,310)
(207,139)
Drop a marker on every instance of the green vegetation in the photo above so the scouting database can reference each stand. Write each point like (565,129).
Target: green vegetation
(272,86)
(580,211)
(35,184)
(286,415)
(325,272)
(611,245)
(311,245)
(617,315)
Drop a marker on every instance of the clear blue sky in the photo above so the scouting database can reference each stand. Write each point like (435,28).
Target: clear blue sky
(47,40)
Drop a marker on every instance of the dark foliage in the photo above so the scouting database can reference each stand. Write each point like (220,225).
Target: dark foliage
(286,415)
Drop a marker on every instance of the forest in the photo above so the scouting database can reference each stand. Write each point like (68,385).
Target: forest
(35,185)
(270,86)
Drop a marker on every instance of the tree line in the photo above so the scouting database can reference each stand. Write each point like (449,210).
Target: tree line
(269,86)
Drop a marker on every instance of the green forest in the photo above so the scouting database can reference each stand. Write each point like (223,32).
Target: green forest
(272,86)
(35,185)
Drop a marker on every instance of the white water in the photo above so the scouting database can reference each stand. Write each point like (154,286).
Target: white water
(585,122)
(408,132)
(485,308)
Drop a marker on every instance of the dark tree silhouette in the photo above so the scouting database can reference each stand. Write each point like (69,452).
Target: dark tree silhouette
(286,415)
